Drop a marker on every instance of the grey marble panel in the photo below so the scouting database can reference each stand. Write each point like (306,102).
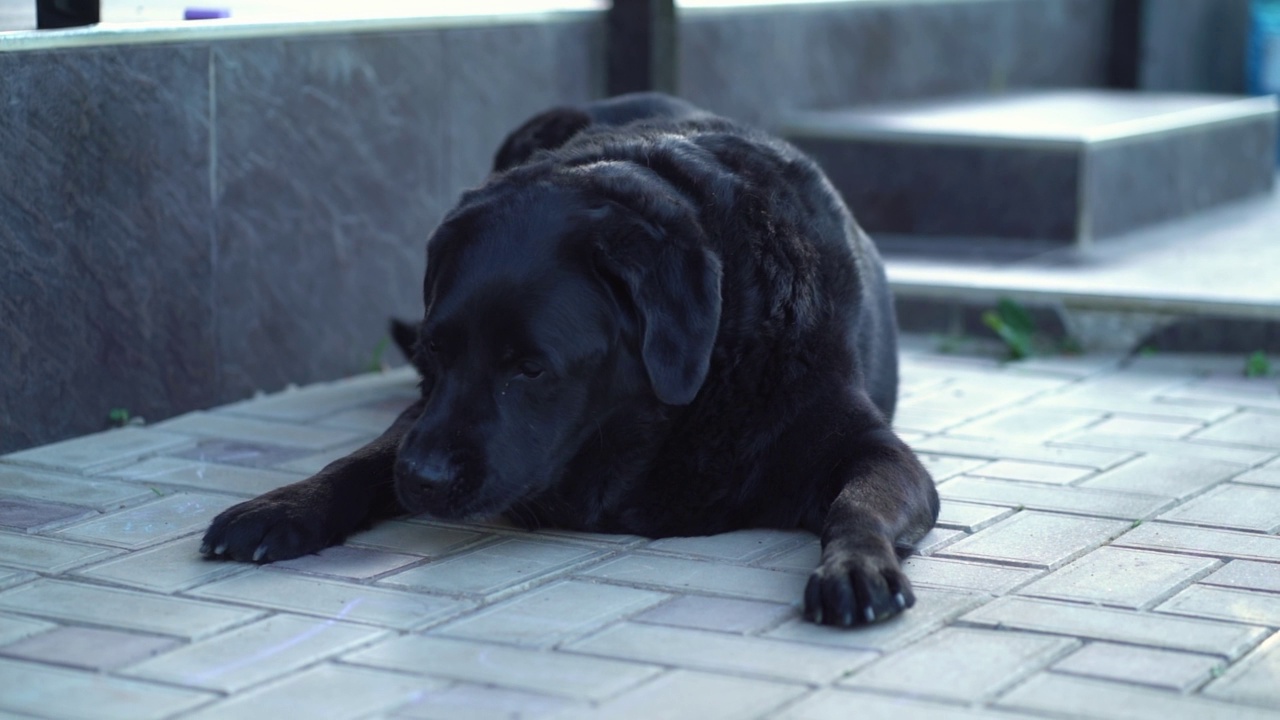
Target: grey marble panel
(104,230)
(1194,45)
(328,183)
(500,75)
(957,191)
(747,65)
(1148,180)
(757,64)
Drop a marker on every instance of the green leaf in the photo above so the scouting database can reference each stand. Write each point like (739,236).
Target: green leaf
(375,363)
(1019,343)
(1015,316)
(1257,365)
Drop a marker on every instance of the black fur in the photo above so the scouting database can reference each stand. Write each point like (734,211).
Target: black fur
(670,326)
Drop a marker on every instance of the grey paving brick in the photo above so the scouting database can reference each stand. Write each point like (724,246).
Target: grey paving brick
(332,692)
(314,462)
(552,614)
(369,419)
(9,578)
(1225,604)
(331,599)
(1123,626)
(1146,427)
(1061,695)
(937,539)
(539,671)
(718,613)
(617,541)
(14,628)
(124,609)
(1244,507)
(1032,472)
(1176,477)
(1248,392)
(47,691)
(958,574)
(841,704)
(1178,671)
(696,696)
(681,575)
(1123,403)
(1121,577)
(740,546)
(153,523)
(415,538)
(1038,496)
(213,477)
(802,559)
(1158,446)
(721,652)
(324,400)
(961,664)
(1252,680)
(96,493)
(29,515)
(970,517)
(101,451)
(354,563)
(493,568)
(1037,539)
(47,554)
(1247,575)
(254,653)
(479,702)
(89,648)
(1027,424)
(167,568)
(1029,452)
(934,608)
(941,467)
(242,453)
(250,430)
(1202,541)
(1269,476)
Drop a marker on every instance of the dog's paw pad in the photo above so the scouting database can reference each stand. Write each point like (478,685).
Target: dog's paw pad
(852,590)
(265,529)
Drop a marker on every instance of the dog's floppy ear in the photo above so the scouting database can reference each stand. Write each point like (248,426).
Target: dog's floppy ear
(544,131)
(675,290)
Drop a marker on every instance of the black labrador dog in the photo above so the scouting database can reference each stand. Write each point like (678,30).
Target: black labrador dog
(647,320)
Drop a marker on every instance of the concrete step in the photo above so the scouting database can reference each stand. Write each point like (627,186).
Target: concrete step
(1065,166)
(1206,283)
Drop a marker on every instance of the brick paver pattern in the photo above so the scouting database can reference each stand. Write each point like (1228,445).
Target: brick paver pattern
(1107,548)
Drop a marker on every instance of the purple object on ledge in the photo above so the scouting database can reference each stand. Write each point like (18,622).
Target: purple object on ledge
(197,13)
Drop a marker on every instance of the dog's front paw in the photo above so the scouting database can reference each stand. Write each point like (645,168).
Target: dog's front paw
(277,526)
(856,588)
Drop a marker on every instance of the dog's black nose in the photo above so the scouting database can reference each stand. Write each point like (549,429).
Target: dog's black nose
(428,471)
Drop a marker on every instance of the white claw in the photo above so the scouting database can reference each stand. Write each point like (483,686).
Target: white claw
(261,551)
(220,549)
(869,614)
(902,602)
(848,617)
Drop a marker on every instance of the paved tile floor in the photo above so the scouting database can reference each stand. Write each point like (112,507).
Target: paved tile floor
(1108,548)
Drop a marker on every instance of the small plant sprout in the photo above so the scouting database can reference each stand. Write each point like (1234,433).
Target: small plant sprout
(1257,365)
(1013,325)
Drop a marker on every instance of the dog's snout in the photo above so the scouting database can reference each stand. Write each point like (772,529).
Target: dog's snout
(429,471)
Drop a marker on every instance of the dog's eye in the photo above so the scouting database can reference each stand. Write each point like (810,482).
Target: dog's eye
(530,369)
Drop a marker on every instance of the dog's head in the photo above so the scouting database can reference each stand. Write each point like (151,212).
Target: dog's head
(552,305)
